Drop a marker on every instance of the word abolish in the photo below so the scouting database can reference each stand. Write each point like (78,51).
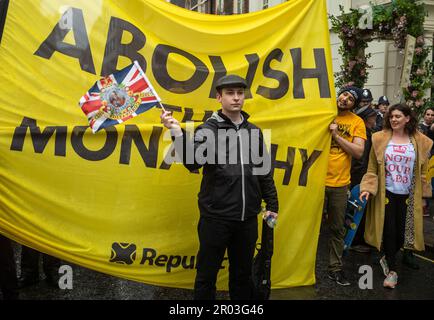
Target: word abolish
(73,20)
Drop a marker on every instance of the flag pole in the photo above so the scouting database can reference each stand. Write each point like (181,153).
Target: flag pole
(136,63)
(161,105)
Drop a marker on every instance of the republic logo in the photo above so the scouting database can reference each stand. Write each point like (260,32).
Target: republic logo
(123,253)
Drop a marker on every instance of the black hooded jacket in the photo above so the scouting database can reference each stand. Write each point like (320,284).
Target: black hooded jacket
(230,188)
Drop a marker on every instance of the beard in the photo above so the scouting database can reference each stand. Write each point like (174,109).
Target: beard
(344,107)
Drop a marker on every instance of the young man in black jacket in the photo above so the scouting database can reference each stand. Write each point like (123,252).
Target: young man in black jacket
(233,186)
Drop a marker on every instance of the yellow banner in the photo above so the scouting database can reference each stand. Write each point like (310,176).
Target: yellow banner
(109,201)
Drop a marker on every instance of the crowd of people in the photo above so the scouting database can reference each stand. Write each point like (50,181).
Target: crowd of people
(382,148)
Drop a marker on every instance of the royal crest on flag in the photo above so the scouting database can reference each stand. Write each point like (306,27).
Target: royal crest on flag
(118,97)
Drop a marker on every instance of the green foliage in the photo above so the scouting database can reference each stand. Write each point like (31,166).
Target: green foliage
(393,21)
(354,42)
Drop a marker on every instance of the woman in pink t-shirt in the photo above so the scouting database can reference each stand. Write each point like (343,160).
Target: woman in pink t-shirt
(395,183)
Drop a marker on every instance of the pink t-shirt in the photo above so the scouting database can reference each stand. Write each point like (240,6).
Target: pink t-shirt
(399,159)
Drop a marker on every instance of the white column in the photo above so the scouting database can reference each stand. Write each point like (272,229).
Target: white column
(220,6)
(255,5)
(428,27)
(236,7)
(429,35)
(201,7)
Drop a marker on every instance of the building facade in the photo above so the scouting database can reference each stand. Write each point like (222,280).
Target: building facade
(226,6)
(386,60)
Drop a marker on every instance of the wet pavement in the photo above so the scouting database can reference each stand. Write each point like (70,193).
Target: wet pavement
(428,227)
(413,285)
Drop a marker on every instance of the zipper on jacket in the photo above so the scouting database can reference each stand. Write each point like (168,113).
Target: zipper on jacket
(242,177)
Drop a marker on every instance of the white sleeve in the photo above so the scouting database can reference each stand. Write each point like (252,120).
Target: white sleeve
(176,133)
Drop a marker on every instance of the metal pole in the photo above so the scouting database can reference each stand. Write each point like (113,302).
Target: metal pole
(199,4)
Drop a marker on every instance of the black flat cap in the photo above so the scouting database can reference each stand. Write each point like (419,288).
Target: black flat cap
(231,80)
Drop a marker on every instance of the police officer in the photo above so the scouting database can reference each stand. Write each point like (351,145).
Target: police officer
(366,100)
(383,105)
(230,194)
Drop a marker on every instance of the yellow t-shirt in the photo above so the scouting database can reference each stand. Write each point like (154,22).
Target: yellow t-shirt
(339,167)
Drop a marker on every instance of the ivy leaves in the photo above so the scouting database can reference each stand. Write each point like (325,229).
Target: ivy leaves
(393,21)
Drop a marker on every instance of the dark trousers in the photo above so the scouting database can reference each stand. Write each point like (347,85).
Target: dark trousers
(336,203)
(30,264)
(215,236)
(8,274)
(359,237)
(394,226)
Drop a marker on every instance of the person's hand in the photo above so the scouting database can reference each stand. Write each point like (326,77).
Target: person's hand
(333,129)
(270,213)
(169,121)
(364,194)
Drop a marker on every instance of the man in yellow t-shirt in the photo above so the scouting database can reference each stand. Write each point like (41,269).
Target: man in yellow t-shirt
(348,140)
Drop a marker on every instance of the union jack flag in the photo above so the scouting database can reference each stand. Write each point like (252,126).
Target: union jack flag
(118,97)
